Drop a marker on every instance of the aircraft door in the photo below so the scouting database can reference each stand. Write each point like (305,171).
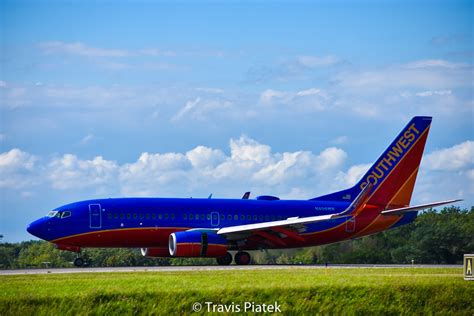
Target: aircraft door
(214,218)
(350,225)
(95,216)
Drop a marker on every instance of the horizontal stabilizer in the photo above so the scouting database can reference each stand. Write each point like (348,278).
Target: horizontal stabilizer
(416,208)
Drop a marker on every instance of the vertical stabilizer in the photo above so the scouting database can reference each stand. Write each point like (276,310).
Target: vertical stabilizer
(393,175)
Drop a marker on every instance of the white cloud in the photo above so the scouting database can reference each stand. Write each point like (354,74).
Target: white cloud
(80,49)
(188,107)
(312,99)
(250,165)
(268,96)
(211,90)
(17,169)
(457,157)
(153,173)
(16,159)
(353,175)
(72,173)
(339,140)
(247,149)
(200,109)
(432,75)
(315,61)
(428,63)
(87,139)
(203,157)
(157,52)
(430,93)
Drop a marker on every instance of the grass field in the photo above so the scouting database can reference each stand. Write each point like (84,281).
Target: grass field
(296,291)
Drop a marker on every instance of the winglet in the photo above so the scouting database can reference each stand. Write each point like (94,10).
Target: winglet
(246,196)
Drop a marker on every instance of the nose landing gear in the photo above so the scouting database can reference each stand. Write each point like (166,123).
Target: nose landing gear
(82,262)
(79,262)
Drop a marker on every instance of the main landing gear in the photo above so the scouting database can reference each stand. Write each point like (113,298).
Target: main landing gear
(81,262)
(241,258)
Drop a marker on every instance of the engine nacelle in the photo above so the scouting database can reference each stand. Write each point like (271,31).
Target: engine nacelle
(155,252)
(197,244)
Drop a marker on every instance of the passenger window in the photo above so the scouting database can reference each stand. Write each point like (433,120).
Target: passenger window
(141,215)
(267,217)
(135,216)
(160,216)
(242,217)
(172,216)
(249,217)
(191,216)
(203,217)
(115,216)
(255,217)
(279,217)
(273,217)
(166,216)
(185,216)
(147,216)
(109,215)
(153,216)
(209,216)
(122,215)
(129,216)
(222,217)
(236,217)
(260,217)
(229,217)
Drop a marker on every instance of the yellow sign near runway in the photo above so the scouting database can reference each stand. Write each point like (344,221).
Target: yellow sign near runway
(468,267)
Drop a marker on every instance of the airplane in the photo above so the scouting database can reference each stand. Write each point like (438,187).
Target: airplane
(213,228)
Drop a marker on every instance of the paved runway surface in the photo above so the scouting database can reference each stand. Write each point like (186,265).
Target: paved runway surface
(210,268)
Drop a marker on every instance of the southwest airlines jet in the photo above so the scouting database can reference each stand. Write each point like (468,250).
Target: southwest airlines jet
(172,227)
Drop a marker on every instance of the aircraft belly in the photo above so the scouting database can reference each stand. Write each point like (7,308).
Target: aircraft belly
(130,237)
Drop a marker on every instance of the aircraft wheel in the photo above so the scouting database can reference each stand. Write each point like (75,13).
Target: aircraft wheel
(225,260)
(79,262)
(242,258)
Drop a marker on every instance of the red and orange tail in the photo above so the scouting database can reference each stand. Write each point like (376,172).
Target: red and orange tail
(393,175)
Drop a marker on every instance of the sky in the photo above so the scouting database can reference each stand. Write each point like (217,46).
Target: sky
(187,98)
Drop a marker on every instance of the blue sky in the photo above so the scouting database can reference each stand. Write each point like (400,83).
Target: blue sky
(296,99)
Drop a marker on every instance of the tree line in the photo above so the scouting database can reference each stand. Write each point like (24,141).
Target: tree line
(436,237)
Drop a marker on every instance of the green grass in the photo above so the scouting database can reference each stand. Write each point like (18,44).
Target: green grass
(307,291)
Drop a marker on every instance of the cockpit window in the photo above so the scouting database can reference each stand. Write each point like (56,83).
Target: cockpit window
(59,214)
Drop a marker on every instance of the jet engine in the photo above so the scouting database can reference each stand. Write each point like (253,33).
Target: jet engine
(197,243)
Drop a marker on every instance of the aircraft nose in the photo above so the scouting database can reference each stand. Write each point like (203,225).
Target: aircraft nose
(37,228)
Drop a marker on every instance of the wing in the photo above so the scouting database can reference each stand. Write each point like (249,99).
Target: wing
(274,232)
(291,226)
(416,208)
